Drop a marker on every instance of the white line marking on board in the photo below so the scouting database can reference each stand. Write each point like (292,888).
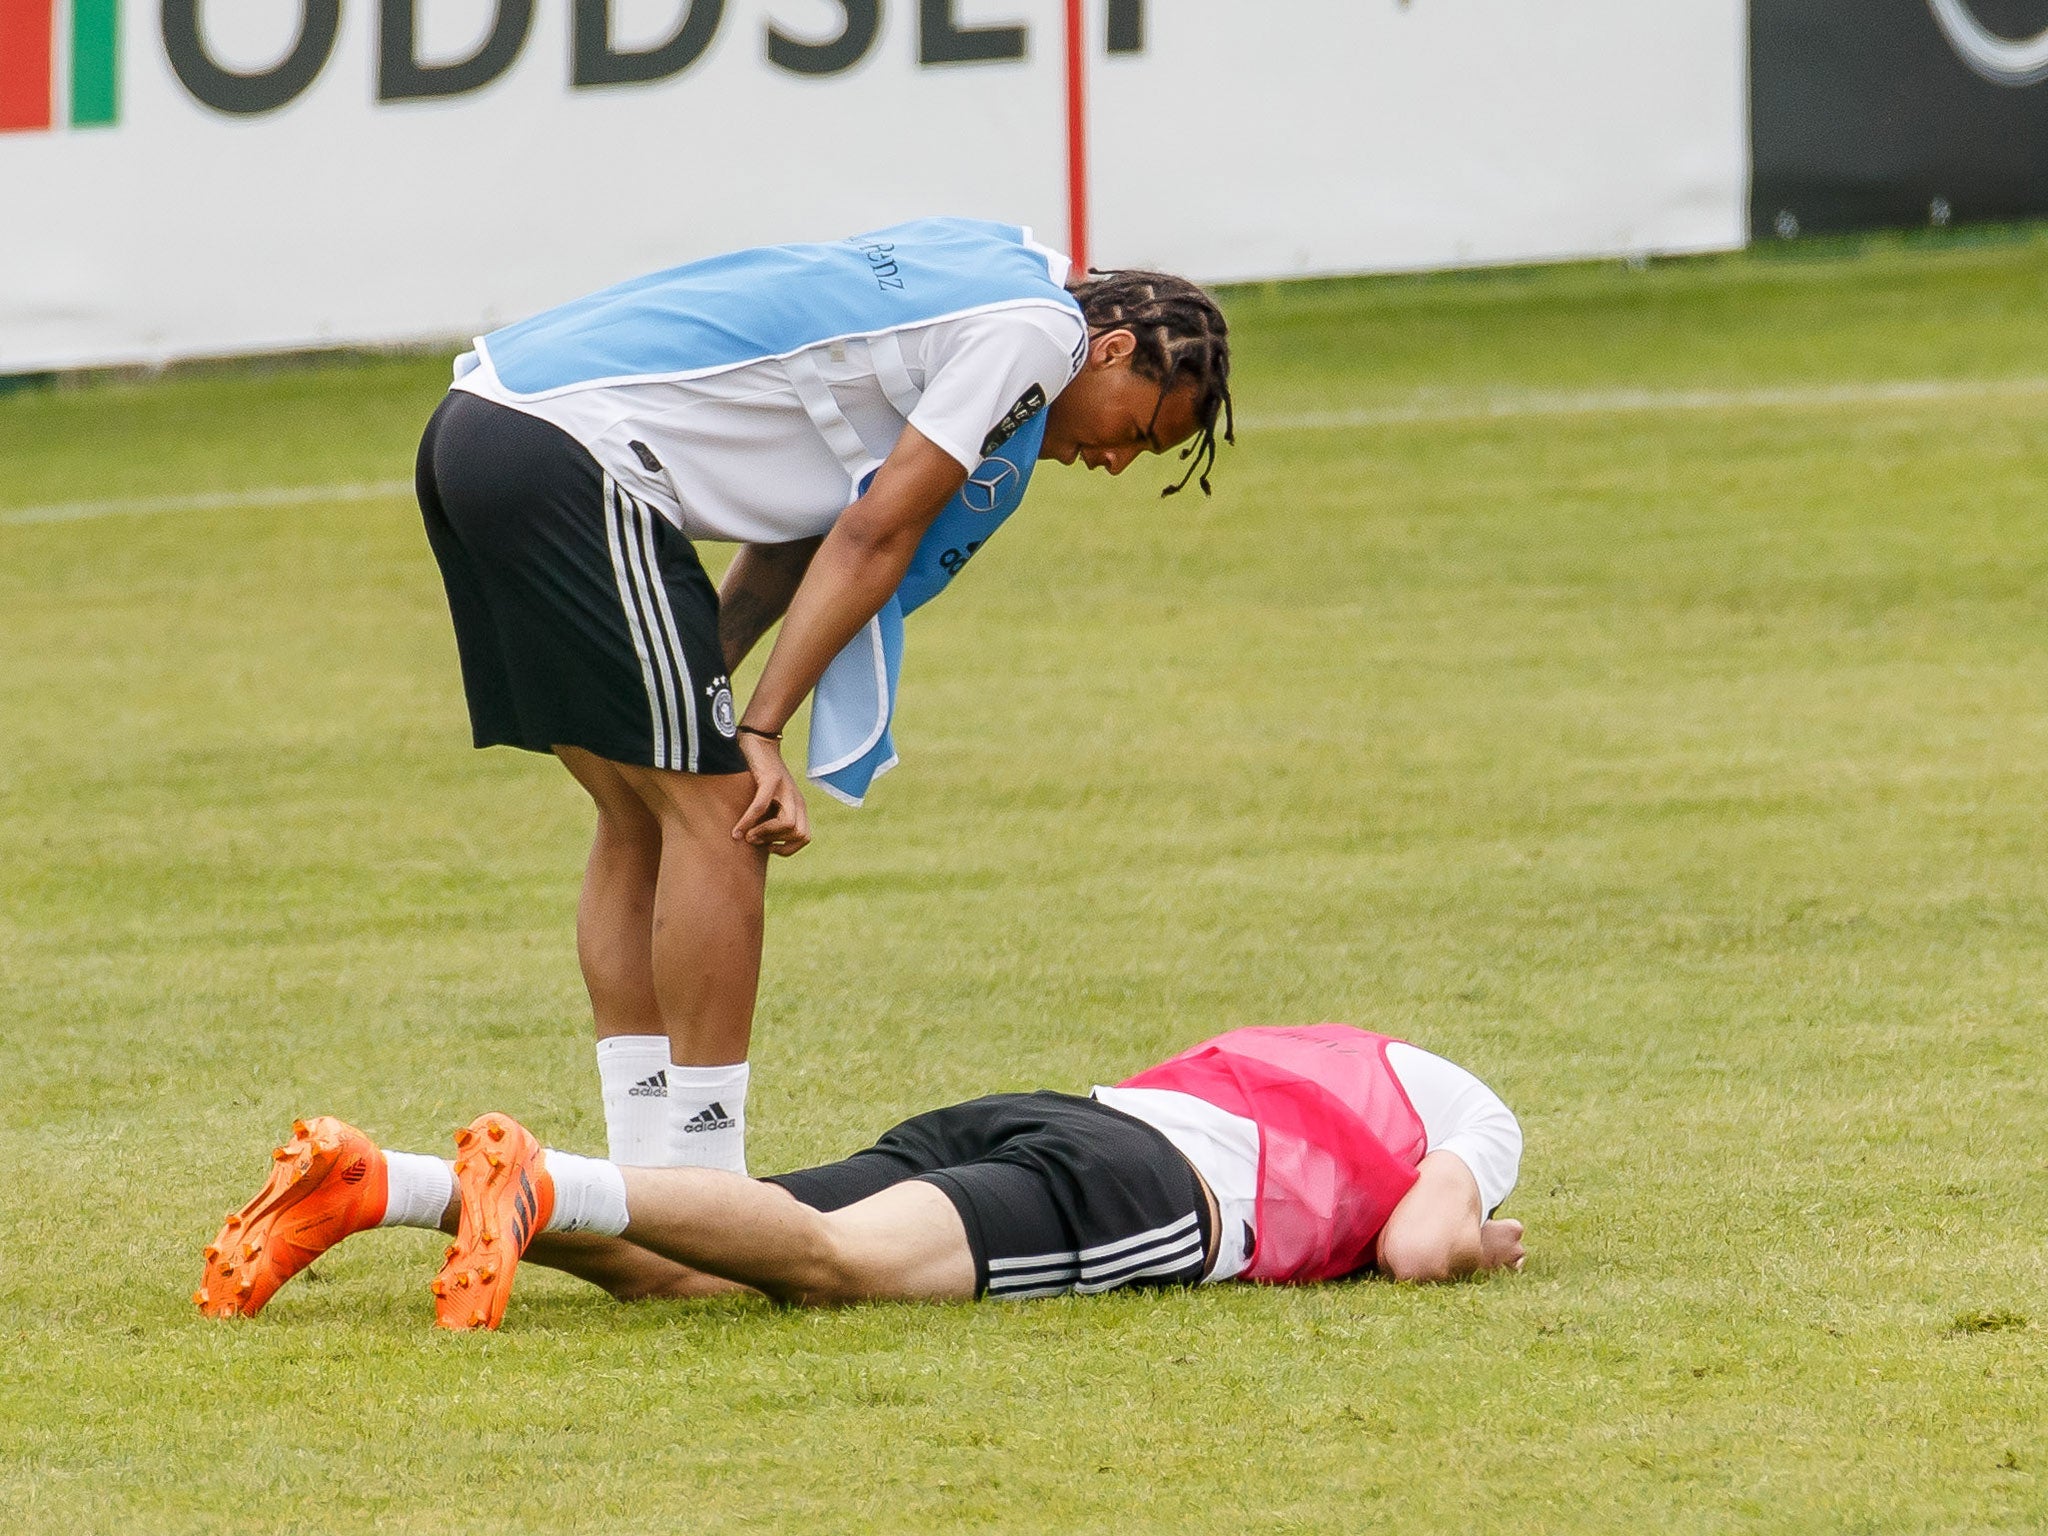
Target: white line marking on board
(1426,411)
(1620,402)
(208,501)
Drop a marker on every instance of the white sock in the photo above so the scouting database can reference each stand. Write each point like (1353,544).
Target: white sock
(590,1194)
(707,1117)
(632,1074)
(421,1188)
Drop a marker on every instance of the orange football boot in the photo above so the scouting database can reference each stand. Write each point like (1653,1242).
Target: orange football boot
(327,1182)
(507,1198)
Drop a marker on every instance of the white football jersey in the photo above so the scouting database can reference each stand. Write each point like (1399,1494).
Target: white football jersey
(747,398)
(734,455)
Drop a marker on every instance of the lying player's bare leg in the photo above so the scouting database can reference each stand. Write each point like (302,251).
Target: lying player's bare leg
(1438,1231)
(699,1231)
(906,1243)
(702,1232)
(624,1270)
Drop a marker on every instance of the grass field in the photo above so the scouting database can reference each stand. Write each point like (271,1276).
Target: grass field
(1604,677)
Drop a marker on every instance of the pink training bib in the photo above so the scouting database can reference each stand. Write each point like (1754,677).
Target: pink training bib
(1339,1142)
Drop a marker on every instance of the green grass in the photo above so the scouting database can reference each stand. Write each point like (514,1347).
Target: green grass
(1680,771)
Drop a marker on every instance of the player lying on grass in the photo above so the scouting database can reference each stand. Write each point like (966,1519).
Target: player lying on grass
(857,417)
(1289,1154)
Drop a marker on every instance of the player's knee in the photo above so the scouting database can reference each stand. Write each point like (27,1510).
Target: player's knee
(845,1270)
(821,1267)
(632,832)
(701,810)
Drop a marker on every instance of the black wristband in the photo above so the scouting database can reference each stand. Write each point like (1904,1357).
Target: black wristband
(755,730)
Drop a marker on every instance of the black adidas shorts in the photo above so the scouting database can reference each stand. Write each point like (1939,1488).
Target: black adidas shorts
(1058,1193)
(582,616)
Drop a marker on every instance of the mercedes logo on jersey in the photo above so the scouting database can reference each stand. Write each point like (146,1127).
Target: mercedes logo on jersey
(2001,60)
(985,487)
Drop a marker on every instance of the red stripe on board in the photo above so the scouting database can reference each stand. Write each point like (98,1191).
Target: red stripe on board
(25,64)
(1077,141)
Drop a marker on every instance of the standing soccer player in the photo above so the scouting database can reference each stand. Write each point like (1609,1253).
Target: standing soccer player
(821,406)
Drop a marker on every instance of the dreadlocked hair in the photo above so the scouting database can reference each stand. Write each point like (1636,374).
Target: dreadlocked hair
(1182,340)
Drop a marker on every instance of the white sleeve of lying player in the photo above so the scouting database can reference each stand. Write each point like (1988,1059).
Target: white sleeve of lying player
(1461,1114)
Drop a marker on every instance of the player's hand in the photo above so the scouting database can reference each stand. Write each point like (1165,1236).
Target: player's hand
(1500,1245)
(775,819)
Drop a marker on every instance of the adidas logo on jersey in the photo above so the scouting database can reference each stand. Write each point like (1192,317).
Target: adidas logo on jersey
(655,1087)
(711,1119)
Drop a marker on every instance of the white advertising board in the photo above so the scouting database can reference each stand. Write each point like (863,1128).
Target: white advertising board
(1275,140)
(226,176)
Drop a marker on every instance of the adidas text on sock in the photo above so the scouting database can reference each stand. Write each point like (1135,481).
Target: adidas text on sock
(707,1125)
(632,1075)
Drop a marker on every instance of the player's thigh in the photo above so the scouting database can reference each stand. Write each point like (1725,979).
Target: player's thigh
(700,805)
(906,1243)
(606,783)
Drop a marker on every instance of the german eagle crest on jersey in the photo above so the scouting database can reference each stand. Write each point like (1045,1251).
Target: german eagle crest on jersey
(722,715)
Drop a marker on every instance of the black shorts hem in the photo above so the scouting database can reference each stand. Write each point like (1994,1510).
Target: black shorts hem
(631,756)
(582,616)
(970,1218)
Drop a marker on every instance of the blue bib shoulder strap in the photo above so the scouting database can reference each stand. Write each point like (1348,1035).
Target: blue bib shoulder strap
(993,491)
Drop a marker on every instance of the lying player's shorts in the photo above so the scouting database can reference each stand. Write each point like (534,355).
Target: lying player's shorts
(1057,1193)
(582,616)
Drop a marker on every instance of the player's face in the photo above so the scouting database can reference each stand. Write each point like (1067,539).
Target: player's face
(1111,413)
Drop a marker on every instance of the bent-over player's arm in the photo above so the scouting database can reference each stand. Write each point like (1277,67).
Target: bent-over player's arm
(859,564)
(756,592)
(1439,1232)
(987,374)
(985,370)
(856,568)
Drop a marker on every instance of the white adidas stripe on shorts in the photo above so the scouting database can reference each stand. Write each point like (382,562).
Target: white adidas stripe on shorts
(629,533)
(1162,1251)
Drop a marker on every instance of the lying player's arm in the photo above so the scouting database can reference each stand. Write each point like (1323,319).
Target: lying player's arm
(756,592)
(856,568)
(1438,1231)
